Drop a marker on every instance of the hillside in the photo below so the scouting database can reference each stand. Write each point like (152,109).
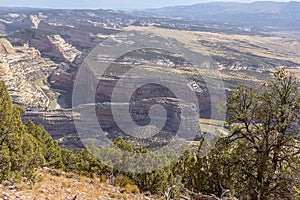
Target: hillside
(185,102)
(58,185)
(33,166)
(284,15)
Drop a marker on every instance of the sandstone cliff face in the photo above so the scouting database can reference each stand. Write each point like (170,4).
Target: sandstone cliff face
(49,44)
(58,122)
(46,47)
(106,87)
(139,106)
(5,47)
(35,20)
(27,66)
(82,40)
(21,68)
(68,51)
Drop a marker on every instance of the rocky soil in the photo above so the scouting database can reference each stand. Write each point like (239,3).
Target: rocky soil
(58,185)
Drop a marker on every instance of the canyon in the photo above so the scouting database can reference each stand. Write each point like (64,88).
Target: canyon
(42,52)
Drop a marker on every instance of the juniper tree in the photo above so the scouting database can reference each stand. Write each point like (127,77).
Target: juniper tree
(265,137)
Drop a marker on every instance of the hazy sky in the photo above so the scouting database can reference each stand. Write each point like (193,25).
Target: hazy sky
(95,4)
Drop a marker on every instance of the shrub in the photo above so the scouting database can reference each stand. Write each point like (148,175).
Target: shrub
(122,181)
(132,188)
(103,178)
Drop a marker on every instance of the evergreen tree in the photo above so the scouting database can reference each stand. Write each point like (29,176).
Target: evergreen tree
(49,147)
(265,130)
(21,153)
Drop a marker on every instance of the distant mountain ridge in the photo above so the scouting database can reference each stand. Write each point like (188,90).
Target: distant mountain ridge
(263,13)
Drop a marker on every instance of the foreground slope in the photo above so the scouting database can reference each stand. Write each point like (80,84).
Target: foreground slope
(55,184)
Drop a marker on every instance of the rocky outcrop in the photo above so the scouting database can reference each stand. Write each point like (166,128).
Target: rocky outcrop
(6,47)
(107,85)
(35,20)
(68,51)
(82,40)
(49,44)
(23,70)
(4,68)
(62,81)
(59,123)
(45,46)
